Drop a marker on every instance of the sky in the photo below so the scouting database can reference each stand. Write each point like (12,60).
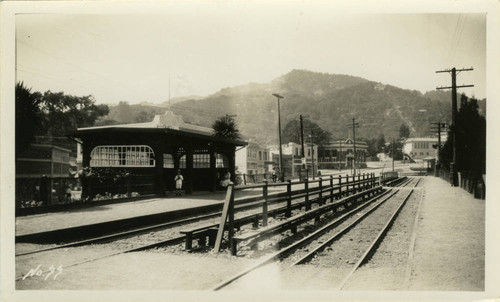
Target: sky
(201,49)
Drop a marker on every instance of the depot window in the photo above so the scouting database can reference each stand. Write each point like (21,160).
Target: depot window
(221,161)
(201,160)
(122,156)
(168,160)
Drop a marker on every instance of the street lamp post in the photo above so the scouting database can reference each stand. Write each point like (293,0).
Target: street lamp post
(279,135)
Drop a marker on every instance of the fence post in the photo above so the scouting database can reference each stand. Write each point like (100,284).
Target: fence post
(320,191)
(228,210)
(359,183)
(364,181)
(230,230)
(306,186)
(264,205)
(317,219)
(340,187)
(331,188)
(244,178)
(289,198)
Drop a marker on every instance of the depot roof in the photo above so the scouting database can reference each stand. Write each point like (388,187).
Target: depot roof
(166,123)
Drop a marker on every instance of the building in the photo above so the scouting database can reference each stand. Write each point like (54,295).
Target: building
(341,152)
(145,157)
(421,147)
(292,158)
(43,173)
(253,159)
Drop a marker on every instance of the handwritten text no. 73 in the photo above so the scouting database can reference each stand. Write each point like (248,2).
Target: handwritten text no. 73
(40,273)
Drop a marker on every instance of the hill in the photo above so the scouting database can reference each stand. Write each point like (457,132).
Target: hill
(328,99)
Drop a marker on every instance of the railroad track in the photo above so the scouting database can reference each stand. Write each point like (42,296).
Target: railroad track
(129,241)
(333,232)
(156,227)
(137,239)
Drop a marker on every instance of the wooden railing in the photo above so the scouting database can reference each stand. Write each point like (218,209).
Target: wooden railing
(320,190)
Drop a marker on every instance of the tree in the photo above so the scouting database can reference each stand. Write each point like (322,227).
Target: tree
(291,132)
(471,139)
(395,149)
(123,113)
(371,146)
(380,144)
(28,116)
(52,114)
(63,114)
(404,131)
(225,127)
(143,117)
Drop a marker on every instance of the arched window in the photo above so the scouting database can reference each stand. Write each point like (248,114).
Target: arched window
(122,156)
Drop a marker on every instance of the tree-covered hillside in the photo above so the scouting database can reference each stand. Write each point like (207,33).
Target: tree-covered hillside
(329,100)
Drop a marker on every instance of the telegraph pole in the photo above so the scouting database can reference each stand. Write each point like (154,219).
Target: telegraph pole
(340,156)
(438,129)
(302,134)
(354,126)
(312,153)
(453,87)
(393,154)
(282,174)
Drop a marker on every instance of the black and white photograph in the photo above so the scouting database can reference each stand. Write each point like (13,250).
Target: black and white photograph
(249,150)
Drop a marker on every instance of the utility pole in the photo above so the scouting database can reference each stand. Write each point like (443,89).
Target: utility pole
(302,135)
(282,174)
(393,154)
(439,126)
(340,156)
(312,153)
(454,167)
(354,126)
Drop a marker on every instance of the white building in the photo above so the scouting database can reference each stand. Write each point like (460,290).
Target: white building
(253,159)
(421,147)
(292,157)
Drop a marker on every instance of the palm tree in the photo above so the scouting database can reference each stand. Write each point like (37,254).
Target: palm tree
(225,127)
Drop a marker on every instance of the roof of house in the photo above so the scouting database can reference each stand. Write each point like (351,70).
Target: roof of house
(168,121)
(421,139)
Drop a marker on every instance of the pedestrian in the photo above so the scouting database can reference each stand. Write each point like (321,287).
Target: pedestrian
(274,175)
(226,180)
(178,183)
(68,194)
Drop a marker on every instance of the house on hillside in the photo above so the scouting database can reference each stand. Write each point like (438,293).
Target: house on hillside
(144,157)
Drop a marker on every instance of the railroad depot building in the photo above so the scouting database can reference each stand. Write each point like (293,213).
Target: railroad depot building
(145,157)
(341,152)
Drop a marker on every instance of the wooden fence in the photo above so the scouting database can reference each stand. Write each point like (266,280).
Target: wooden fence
(324,188)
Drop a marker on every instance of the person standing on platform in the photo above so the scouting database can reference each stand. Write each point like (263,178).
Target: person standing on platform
(178,183)
(226,179)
